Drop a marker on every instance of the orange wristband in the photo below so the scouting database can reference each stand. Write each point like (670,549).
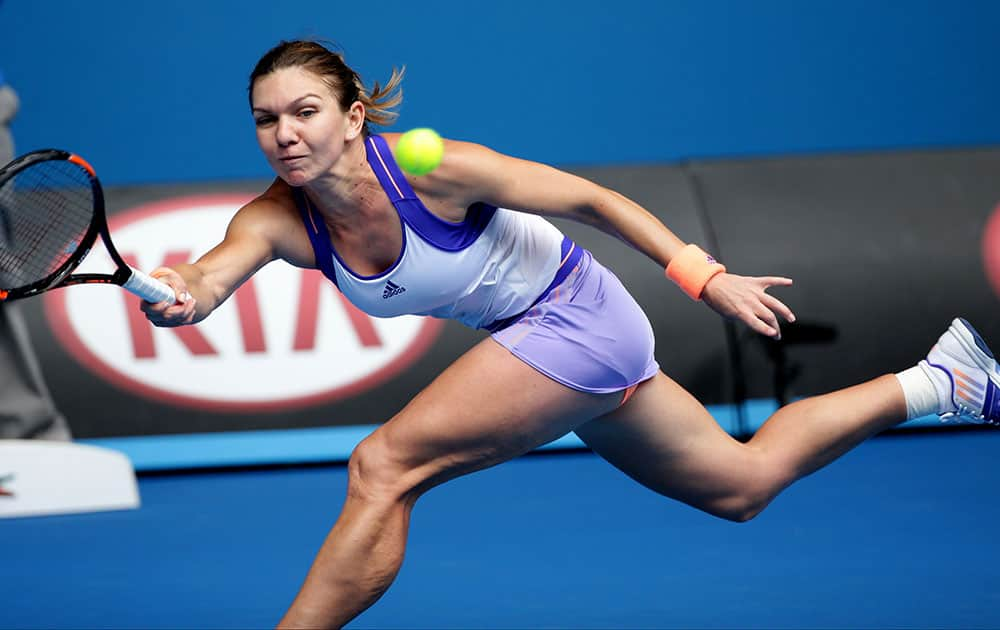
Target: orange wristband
(691,268)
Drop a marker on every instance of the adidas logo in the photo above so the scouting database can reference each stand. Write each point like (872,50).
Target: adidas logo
(391,289)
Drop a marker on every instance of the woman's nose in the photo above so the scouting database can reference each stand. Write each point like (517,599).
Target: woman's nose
(285,132)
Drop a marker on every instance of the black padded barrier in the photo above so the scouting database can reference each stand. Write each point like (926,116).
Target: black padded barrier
(884,249)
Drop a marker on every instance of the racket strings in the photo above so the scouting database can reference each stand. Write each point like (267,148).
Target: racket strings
(45,210)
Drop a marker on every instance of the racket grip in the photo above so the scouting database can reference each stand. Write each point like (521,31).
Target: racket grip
(149,288)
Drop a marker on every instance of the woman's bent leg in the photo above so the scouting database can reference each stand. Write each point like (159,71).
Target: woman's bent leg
(485,409)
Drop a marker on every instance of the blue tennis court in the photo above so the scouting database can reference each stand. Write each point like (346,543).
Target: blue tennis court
(850,146)
(899,533)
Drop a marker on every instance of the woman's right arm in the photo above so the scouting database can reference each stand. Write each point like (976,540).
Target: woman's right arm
(251,242)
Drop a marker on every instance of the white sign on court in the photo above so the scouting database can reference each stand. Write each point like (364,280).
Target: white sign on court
(40,477)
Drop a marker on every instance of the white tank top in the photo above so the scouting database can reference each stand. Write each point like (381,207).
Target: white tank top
(483,272)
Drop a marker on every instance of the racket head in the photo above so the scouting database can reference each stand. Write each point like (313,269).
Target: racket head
(51,212)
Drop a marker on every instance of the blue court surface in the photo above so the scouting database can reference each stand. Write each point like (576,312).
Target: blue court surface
(900,533)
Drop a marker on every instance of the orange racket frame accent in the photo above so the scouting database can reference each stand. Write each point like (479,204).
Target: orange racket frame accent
(76,159)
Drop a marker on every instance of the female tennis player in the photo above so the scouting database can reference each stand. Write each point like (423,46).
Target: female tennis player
(569,350)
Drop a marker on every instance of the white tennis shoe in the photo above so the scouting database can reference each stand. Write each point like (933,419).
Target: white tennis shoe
(971,369)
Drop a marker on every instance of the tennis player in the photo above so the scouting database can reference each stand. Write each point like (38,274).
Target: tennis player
(569,350)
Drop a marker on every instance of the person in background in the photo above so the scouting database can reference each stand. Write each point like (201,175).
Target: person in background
(26,407)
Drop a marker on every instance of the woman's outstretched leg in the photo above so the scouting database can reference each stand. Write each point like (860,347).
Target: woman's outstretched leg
(808,434)
(666,440)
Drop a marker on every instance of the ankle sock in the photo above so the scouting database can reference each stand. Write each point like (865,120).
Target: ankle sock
(927,390)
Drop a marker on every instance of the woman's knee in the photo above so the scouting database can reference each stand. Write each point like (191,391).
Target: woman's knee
(376,472)
(753,494)
(740,508)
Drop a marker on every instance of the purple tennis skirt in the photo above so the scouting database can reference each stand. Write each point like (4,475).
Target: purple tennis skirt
(588,333)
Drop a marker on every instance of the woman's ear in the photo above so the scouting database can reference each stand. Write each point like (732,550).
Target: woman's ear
(355,120)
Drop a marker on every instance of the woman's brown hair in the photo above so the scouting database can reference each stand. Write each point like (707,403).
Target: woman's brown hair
(343,81)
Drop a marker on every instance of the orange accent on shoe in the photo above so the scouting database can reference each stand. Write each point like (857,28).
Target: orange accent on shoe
(965,395)
(962,374)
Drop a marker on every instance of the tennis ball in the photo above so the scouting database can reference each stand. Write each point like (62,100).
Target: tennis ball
(419,151)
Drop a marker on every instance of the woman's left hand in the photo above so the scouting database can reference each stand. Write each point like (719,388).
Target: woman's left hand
(746,299)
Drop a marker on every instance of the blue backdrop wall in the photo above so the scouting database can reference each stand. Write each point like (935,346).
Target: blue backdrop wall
(155,92)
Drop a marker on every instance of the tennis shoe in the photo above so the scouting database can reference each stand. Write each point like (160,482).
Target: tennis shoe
(962,363)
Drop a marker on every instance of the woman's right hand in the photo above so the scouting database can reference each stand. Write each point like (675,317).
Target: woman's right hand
(169,314)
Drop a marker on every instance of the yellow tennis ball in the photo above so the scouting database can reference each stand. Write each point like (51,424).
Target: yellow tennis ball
(419,151)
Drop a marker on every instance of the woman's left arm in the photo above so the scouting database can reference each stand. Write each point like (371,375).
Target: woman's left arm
(490,177)
(480,174)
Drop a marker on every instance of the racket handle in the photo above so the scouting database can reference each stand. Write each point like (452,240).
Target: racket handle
(149,288)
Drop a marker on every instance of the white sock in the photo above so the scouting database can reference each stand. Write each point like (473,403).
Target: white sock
(927,391)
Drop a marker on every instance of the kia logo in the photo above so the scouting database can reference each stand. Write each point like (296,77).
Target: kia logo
(287,338)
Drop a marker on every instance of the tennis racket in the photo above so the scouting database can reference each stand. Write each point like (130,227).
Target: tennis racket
(51,213)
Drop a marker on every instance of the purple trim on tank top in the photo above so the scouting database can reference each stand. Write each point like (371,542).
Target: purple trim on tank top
(570,255)
(319,236)
(444,235)
(457,235)
(323,240)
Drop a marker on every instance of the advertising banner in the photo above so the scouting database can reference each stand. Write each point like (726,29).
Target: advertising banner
(884,250)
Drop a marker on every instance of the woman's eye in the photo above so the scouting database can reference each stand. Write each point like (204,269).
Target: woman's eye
(263,120)
(307,113)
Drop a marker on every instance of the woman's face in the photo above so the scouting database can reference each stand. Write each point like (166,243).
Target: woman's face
(300,126)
